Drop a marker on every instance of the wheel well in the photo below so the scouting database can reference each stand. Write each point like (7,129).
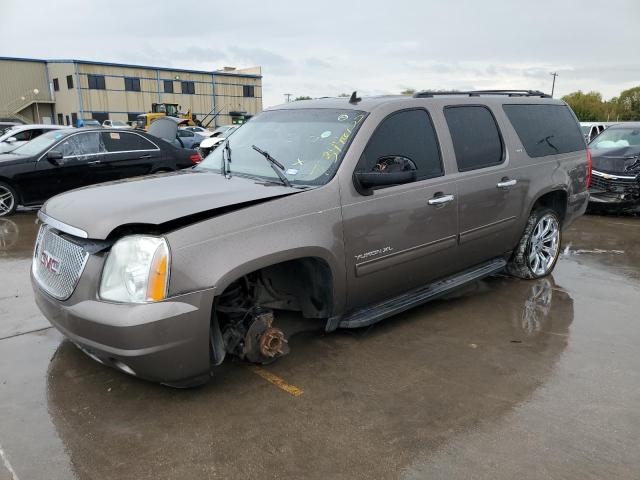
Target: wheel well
(303,284)
(12,185)
(556,200)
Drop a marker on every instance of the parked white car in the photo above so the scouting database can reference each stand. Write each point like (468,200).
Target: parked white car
(21,134)
(590,130)
(115,124)
(224,130)
(200,131)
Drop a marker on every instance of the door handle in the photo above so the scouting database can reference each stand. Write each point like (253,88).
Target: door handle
(145,156)
(506,183)
(441,200)
(95,162)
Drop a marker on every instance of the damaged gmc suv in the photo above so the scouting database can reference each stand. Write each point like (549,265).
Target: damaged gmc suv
(343,210)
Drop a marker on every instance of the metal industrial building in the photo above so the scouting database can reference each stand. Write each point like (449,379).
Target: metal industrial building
(62,91)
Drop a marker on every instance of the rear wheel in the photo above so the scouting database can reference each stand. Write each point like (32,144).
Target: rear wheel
(537,253)
(8,200)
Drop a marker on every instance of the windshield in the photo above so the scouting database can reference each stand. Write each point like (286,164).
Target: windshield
(617,138)
(310,143)
(39,144)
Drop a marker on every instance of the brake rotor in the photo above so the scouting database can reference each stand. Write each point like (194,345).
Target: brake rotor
(263,342)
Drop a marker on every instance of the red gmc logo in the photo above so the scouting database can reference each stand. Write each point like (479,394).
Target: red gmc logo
(50,262)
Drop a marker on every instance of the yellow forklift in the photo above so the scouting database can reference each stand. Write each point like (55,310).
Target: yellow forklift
(159,110)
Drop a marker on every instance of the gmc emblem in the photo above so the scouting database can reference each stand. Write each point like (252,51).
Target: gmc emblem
(50,262)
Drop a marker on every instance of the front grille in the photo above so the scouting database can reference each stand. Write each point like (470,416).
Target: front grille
(617,185)
(57,263)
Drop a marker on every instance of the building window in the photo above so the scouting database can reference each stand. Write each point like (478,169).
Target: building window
(56,85)
(131,84)
(100,116)
(96,82)
(248,91)
(168,86)
(69,82)
(60,119)
(74,119)
(132,117)
(188,87)
(67,121)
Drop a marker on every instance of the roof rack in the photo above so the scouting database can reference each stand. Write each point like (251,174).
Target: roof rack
(477,93)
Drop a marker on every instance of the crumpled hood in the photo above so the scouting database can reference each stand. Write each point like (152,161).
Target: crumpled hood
(156,200)
(621,161)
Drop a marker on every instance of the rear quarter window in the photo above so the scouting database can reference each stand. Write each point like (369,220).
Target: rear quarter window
(545,129)
(123,142)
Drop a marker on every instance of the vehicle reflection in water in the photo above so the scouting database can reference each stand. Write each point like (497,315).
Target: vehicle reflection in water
(17,235)
(435,371)
(9,234)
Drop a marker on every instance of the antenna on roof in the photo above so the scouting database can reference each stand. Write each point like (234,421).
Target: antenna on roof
(354,98)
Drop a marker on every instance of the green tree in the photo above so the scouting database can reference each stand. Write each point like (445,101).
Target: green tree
(629,104)
(301,98)
(344,95)
(408,91)
(588,107)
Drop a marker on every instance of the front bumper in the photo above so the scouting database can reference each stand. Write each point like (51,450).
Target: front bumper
(614,190)
(166,342)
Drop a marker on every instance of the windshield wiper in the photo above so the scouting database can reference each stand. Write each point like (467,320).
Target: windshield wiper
(225,167)
(275,165)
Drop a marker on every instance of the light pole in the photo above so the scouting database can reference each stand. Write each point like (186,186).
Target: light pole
(553,85)
(36,92)
(288,95)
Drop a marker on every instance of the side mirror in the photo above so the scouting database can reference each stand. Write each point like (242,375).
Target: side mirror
(11,140)
(54,157)
(398,170)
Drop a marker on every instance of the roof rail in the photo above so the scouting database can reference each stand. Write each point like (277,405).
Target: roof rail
(477,93)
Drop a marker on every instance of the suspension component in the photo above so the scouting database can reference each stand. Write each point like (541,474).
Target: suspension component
(263,342)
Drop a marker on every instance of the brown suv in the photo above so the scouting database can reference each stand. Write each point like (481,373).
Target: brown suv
(347,210)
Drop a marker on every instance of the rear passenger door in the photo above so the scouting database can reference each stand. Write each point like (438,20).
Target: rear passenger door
(129,155)
(491,192)
(401,236)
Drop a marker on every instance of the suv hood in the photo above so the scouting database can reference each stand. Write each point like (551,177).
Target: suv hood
(163,201)
(622,161)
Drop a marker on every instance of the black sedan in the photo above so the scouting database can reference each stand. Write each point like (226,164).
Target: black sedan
(62,160)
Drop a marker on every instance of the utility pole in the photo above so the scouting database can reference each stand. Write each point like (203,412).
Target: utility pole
(288,96)
(553,85)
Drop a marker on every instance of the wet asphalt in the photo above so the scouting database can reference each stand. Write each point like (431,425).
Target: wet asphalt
(504,379)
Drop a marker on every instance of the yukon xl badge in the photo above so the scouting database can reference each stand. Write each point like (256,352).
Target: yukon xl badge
(373,253)
(51,263)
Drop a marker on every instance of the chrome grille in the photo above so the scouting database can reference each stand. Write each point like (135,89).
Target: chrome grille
(57,263)
(616,185)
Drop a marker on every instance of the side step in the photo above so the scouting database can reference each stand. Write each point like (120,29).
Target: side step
(370,315)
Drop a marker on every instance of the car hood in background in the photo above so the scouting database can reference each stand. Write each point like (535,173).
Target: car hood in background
(165,128)
(622,161)
(8,147)
(157,200)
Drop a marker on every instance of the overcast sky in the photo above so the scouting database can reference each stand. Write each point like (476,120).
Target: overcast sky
(326,47)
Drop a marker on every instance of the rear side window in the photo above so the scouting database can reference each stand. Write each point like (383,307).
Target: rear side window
(476,139)
(409,134)
(124,142)
(545,129)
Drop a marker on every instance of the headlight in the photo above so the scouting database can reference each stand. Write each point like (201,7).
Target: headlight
(137,270)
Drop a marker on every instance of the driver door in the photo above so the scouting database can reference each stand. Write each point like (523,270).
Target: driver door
(401,236)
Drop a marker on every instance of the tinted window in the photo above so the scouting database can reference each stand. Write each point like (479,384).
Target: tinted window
(475,136)
(96,82)
(168,86)
(188,87)
(69,81)
(121,142)
(248,91)
(83,144)
(408,134)
(545,129)
(132,84)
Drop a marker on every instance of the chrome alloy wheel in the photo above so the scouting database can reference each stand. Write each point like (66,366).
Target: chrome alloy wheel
(544,245)
(7,201)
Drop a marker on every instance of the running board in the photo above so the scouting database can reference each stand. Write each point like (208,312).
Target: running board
(370,315)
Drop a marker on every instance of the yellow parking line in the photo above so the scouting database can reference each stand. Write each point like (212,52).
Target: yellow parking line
(277,381)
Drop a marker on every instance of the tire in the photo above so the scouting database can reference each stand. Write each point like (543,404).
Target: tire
(8,200)
(537,252)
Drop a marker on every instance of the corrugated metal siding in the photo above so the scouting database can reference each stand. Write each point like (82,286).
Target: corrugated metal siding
(19,78)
